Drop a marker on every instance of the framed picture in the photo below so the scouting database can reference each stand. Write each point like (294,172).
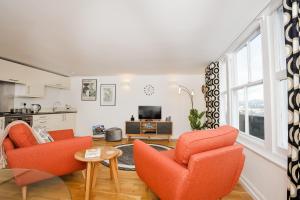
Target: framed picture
(89,90)
(107,94)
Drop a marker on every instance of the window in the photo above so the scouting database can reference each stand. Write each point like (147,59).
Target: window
(247,90)
(256,91)
(280,80)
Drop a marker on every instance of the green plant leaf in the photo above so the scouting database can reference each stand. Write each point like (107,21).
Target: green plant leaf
(195,119)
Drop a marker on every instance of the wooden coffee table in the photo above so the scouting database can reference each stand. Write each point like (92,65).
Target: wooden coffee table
(107,153)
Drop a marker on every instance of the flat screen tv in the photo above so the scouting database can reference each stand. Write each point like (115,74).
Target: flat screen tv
(149,112)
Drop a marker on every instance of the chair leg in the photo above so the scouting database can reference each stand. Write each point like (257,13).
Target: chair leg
(24,192)
(146,188)
(147,191)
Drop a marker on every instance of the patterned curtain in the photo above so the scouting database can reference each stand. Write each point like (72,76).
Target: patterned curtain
(291,15)
(212,95)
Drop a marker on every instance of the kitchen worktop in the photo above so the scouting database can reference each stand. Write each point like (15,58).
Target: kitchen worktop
(39,113)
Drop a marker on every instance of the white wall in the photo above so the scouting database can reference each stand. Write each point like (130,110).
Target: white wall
(263,179)
(130,94)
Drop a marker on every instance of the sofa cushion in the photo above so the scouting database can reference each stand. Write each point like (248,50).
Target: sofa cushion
(62,134)
(195,142)
(8,145)
(171,155)
(21,136)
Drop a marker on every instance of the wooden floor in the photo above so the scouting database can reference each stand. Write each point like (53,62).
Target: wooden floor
(131,187)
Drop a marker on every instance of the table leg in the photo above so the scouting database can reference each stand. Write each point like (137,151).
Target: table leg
(83,172)
(89,180)
(96,168)
(113,165)
(110,169)
(114,171)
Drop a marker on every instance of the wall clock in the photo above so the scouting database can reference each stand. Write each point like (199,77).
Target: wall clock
(149,90)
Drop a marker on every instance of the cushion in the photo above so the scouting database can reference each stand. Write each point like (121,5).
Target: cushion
(62,134)
(21,136)
(171,155)
(8,145)
(195,142)
(41,135)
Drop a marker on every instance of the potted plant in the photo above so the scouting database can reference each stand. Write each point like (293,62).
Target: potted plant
(195,116)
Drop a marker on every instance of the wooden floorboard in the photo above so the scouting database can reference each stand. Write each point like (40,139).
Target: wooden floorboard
(131,187)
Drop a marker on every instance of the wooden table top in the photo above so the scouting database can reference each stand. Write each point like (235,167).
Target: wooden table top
(107,153)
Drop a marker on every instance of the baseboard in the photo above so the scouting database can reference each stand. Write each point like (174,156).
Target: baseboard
(251,189)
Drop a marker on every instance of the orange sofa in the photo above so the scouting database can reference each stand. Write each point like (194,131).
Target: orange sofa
(55,158)
(205,165)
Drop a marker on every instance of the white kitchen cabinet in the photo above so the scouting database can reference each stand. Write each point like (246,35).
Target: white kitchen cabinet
(2,124)
(56,122)
(57,81)
(30,90)
(12,72)
(69,121)
(52,80)
(52,122)
(41,121)
(33,78)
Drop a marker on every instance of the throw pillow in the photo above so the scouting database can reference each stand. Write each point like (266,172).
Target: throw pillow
(41,135)
(21,136)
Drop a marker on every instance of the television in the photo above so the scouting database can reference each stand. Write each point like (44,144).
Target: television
(149,112)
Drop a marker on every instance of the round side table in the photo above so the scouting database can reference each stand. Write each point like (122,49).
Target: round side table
(107,153)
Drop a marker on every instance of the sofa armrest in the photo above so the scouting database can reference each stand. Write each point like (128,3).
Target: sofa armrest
(62,134)
(56,158)
(163,175)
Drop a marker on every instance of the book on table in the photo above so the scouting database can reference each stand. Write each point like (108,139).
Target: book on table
(92,153)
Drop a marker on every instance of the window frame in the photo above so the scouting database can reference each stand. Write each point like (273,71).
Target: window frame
(277,76)
(266,148)
(245,86)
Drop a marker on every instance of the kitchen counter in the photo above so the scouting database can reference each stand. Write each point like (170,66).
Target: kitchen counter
(39,113)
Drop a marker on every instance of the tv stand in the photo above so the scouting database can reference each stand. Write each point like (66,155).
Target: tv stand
(149,129)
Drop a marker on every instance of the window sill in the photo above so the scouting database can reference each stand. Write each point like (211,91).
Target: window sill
(259,148)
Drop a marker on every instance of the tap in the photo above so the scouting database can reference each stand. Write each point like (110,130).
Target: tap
(56,105)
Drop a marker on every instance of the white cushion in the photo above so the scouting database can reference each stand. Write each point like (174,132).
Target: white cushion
(41,135)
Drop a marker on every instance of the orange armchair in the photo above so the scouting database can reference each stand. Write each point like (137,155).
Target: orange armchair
(205,165)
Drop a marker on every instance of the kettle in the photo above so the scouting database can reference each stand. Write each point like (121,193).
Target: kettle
(36,108)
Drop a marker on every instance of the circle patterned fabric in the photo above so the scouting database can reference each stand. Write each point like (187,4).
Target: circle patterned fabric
(291,28)
(126,161)
(212,96)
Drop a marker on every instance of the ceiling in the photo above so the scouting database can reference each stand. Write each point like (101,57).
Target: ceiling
(107,37)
